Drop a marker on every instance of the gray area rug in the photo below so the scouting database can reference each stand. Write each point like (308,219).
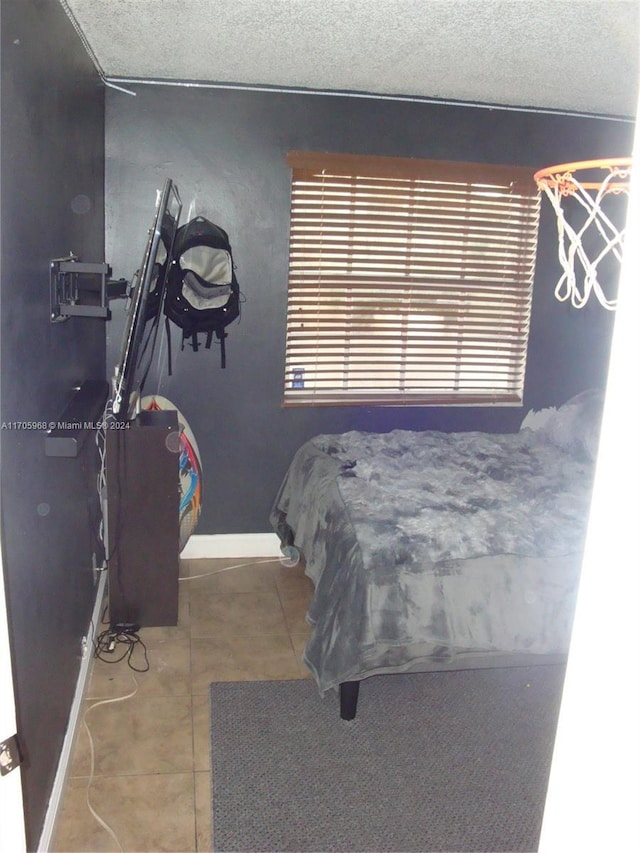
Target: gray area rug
(446,761)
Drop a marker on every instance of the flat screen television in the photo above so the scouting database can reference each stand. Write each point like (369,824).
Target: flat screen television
(145,306)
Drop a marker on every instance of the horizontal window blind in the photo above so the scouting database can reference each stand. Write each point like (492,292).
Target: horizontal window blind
(410,281)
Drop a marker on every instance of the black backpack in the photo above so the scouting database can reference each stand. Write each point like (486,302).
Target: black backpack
(203,295)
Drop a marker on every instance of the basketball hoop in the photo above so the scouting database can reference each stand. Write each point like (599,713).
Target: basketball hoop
(593,193)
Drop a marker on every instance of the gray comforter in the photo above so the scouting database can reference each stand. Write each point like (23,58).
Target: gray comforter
(427,546)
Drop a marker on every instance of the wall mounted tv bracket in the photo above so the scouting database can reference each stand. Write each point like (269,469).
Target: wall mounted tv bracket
(80,289)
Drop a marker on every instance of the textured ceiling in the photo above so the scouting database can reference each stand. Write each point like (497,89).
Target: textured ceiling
(574,55)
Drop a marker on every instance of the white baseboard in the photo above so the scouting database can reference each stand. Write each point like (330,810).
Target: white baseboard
(75,714)
(210,546)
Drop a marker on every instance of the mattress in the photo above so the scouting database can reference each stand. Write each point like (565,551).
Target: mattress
(433,550)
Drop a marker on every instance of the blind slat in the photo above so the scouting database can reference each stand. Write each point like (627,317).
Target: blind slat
(384,216)
(349,287)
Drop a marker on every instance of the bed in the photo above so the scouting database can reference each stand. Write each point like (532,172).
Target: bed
(434,551)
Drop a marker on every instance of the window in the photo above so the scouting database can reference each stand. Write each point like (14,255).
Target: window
(410,281)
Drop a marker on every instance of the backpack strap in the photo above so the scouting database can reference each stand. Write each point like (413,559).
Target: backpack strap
(223,355)
(192,338)
(221,335)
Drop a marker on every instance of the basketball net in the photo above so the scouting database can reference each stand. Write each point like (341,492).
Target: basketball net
(579,279)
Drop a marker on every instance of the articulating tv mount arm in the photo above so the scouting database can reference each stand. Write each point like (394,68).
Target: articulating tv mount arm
(80,289)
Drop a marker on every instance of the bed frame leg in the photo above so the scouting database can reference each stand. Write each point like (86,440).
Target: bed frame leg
(349,699)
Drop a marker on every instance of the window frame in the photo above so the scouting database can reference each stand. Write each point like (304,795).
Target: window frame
(503,207)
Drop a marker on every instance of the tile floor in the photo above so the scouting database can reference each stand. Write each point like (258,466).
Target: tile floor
(152,777)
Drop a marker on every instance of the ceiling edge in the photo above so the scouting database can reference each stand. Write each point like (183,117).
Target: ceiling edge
(119,83)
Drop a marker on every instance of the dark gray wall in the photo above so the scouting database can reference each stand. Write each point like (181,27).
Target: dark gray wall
(52,111)
(226,150)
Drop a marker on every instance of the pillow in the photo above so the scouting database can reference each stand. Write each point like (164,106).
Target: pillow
(537,419)
(575,426)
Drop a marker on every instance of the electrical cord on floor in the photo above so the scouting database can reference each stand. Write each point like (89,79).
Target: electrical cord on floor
(288,560)
(94,813)
(115,644)
(118,643)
